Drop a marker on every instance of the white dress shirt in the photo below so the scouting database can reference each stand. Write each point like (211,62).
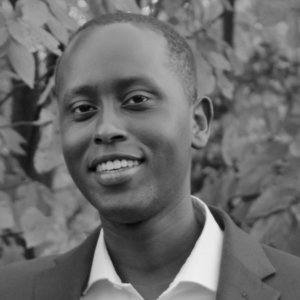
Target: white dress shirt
(197,279)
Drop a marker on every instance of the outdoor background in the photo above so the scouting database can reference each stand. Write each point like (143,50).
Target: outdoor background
(248,57)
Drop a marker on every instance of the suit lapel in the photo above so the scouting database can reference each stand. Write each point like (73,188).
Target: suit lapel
(67,277)
(244,265)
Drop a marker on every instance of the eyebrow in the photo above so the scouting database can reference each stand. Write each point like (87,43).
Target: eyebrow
(119,84)
(123,83)
(86,89)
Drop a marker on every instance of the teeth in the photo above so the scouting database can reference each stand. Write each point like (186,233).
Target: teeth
(109,165)
(116,165)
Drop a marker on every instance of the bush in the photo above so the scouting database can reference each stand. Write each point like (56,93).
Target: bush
(247,60)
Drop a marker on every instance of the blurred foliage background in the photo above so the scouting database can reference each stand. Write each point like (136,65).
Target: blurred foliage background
(248,62)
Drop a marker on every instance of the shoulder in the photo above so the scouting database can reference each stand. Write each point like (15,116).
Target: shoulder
(285,264)
(17,279)
(276,268)
(27,267)
(286,278)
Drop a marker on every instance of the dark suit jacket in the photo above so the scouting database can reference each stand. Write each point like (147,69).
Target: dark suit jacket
(249,271)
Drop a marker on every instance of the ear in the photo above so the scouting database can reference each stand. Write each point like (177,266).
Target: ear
(202,118)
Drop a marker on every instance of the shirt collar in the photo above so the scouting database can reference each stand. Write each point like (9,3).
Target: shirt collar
(203,264)
(201,267)
(102,258)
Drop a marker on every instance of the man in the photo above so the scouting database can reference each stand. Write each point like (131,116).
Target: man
(130,115)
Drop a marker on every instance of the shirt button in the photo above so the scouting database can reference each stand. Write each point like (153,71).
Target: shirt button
(244,295)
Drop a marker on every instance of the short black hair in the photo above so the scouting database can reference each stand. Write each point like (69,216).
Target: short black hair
(181,56)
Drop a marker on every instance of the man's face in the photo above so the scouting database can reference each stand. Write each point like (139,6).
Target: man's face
(125,123)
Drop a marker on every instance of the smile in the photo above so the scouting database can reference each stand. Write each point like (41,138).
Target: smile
(116,165)
(116,170)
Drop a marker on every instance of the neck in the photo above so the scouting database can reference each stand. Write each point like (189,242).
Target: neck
(150,253)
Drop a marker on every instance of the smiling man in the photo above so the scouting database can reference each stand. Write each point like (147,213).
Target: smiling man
(130,115)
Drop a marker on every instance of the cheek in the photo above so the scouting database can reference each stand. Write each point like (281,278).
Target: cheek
(168,137)
(74,140)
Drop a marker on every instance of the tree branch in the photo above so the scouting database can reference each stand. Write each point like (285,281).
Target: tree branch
(6,97)
(206,26)
(228,24)
(24,123)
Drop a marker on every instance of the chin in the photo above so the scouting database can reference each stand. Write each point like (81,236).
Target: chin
(127,209)
(123,215)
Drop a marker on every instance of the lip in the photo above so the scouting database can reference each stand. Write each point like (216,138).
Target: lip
(118,177)
(110,157)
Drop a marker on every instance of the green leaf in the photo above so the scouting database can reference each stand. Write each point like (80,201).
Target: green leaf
(206,79)
(272,117)
(234,145)
(44,38)
(292,124)
(263,229)
(21,34)
(34,12)
(295,146)
(13,140)
(226,86)
(58,30)
(59,10)
(6,214)
(22,61)
(218,61)
(33,194)
(271,12)
(293,34)
(123,5)
(2,170)
(3,120)
(32,206)
(46,92)
(32,37)
(235,62)
(197,8)
(96,7)
(3,36)
(213,10)
(206,44)
(273,200)
(295,210)
(3,31)
(289,171)
(249,184)
(27,196)
(35,226)
(172,6)
(48,154)
(217,188)
(280,230)
(6,9)
(255,168)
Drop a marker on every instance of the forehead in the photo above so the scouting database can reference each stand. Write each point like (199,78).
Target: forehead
(116,34)
(120,47)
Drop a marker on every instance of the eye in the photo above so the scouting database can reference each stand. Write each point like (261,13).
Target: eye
(83,108)
(82,111)
(136,100)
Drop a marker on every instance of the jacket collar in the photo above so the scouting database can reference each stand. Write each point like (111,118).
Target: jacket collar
(68,274)
(244,266)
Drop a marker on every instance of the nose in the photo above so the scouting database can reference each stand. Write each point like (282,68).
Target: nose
(110,129)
